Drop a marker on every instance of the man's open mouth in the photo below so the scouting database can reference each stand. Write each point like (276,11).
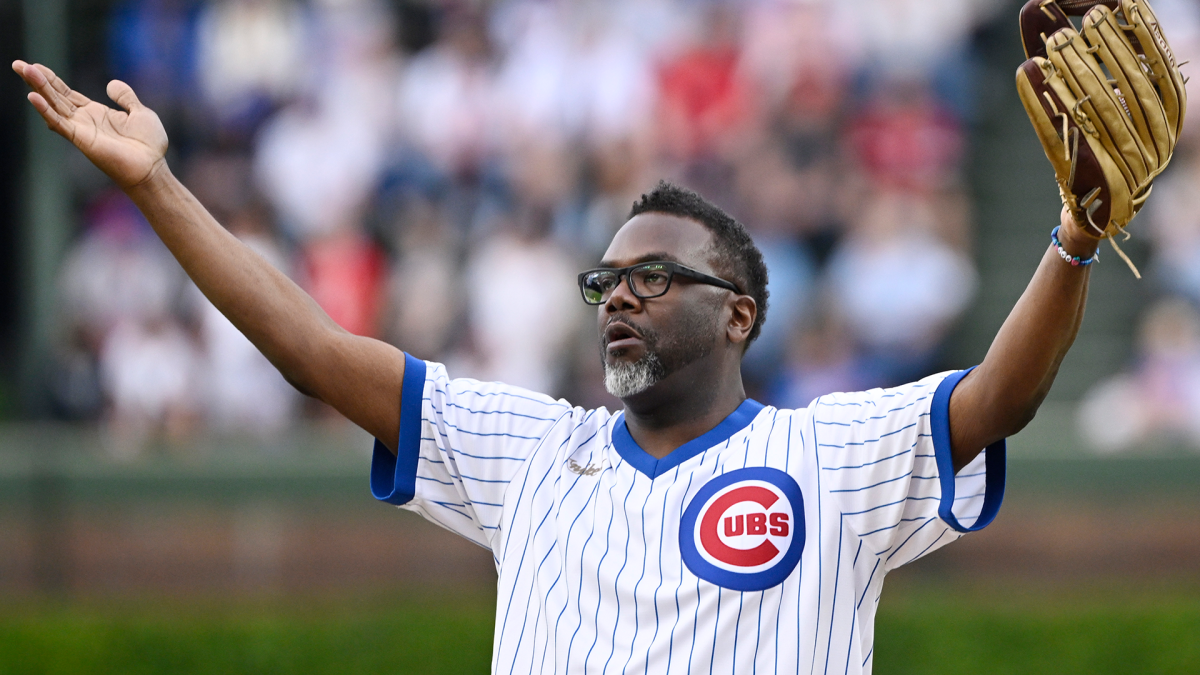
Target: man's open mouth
(618,336)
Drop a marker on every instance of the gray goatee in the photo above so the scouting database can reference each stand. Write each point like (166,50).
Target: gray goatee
(623,379)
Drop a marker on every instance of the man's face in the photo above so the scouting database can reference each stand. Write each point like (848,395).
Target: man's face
(643,341)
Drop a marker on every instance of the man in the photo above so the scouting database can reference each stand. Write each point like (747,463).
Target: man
(694,531)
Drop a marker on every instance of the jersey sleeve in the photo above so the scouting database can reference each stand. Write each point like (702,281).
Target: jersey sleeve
(460,443)
(885,462)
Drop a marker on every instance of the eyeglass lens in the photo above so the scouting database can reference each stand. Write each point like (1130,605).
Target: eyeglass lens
(646,281)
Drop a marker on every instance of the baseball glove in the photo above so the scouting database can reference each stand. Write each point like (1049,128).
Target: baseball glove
(1107,102)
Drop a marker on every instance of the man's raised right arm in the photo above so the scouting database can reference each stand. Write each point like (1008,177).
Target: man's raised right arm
(358,376)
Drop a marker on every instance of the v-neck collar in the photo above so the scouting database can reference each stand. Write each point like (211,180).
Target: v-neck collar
(646,463)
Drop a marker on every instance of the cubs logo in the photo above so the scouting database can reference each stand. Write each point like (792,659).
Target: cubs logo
(744,530)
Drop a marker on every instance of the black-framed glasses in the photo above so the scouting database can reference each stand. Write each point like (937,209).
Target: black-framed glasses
(646,280)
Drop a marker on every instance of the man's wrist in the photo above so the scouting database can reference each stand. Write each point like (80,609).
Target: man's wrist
(1076,241)
(157,179)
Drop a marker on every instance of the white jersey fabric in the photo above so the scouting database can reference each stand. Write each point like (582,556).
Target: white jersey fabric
(760,546)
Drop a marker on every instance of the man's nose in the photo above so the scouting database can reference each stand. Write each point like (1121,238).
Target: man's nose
(622,297)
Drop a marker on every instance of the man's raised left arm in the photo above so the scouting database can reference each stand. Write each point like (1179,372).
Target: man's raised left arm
(1002,395)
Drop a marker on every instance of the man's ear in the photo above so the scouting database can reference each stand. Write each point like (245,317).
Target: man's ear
(741,319)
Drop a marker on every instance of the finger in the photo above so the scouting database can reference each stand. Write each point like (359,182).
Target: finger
(54,80)
(31,75)
(71,97)
(123,95)
(37,79)
(54,121)
(77,99)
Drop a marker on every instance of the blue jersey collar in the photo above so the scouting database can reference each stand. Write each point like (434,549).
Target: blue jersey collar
(643,461)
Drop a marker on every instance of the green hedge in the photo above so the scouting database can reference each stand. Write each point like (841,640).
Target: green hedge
(289,638)
(938,631)
(1098,630)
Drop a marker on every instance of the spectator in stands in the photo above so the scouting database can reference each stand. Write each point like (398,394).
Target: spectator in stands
(344,272)
(704,97)
(238,389)
(118,271)
(1174,219)
(425,292)
(446,96)
(568,72)
(148,368)
(250,57)
(1158,400)
(898,285)
(619,171)
(523,306)
(318,167)
(905,139)
(821,359)
(774,199)
(786,53)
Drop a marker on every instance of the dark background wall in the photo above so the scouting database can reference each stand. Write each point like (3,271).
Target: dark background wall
(12,123)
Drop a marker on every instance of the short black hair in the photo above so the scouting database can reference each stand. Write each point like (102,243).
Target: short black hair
(737,257)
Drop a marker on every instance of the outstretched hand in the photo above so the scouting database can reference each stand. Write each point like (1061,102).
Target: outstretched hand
(129,145)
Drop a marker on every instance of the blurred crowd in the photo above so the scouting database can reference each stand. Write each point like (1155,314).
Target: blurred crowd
(435,173)
(1155,401)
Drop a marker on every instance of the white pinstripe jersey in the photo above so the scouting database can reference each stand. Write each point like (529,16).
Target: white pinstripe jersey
(760,546)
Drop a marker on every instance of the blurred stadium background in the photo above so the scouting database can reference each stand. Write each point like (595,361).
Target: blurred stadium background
(433,173)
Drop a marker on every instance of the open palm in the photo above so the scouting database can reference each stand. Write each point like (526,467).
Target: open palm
(128,144)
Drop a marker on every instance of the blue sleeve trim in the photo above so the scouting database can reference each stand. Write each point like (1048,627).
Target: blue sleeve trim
(394,477)
(993,495)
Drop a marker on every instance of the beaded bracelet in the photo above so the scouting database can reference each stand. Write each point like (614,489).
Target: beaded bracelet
(1062,252)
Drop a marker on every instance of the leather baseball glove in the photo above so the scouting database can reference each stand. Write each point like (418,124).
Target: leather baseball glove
(1107,102)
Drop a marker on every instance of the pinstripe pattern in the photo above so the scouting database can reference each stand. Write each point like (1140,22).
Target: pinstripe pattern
(587,544)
